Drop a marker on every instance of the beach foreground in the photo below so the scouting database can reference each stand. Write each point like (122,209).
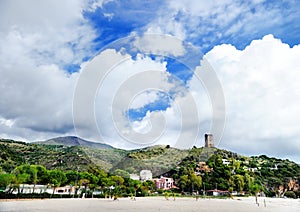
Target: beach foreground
(151,204)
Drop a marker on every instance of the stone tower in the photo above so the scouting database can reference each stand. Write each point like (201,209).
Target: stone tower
(209,141)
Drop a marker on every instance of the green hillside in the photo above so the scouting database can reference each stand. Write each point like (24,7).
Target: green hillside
(14,153)
(158,159)
(195,169)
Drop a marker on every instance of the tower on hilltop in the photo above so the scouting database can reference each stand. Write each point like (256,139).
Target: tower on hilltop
(209,141)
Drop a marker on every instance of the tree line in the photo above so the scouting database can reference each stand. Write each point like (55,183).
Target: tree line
(270,174)
(88,181)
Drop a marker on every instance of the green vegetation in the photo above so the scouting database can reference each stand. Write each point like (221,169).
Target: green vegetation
(195,171)
(93,178)
(158,159)
(60,157)
(233,172)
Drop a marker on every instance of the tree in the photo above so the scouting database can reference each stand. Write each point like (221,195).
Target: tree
(72,177)
(134,185)
(56,178)
(84,182)
(195,181)
(19,179)
(103,180)
(149,185)
(221,173)
(88,180)
(5,180)
(248,182)
(118,180)
(106,181)
(237,182)
(121,173)
(254,189)
(30,170)
(42,174)
(183,182)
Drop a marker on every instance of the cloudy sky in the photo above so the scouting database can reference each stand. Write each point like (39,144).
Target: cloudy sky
(70,68)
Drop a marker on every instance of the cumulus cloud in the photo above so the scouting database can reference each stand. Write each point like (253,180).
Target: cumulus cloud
(37,41)
(132,84)
(36,98)
(119,88)
(55,32)
(262,95)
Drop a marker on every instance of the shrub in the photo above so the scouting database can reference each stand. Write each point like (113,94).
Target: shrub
(270,193)
(290,194)
(297,194)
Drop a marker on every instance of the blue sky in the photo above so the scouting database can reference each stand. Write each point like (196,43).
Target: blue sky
(117,19)
(252,46)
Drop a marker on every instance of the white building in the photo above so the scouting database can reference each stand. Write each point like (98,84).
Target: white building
(28,189)
(37,189)
(145,175)
(134,176)
(225,162)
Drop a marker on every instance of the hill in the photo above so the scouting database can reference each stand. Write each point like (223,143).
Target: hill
(74,141)
(63,157)
(158,159)
(210,167)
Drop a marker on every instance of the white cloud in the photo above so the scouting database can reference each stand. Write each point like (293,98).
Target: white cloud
(52,32)
(143,126)
(193,19)
(117,92)
(209,23)
(261,87)
(96,4)
(160,45)
(109,82)
(36,41)
(36,98)
(144,98)
(165,24)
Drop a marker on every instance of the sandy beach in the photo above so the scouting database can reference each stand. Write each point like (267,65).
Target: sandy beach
(151,204)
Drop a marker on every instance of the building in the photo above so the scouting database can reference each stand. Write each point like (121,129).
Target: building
(252,169)
(225,161)
(217,192)
(29,188)
(64,190)
(145,175)
(209,141)
(202,168)
(134,176)
(164,183)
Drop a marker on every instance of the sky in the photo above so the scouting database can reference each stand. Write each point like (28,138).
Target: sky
(136,73)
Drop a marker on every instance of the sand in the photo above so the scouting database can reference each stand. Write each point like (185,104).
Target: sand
(151,204)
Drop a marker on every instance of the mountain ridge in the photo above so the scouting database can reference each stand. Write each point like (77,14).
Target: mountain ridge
(74,141)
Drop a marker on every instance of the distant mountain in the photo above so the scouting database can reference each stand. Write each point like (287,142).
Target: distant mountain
(74,141)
